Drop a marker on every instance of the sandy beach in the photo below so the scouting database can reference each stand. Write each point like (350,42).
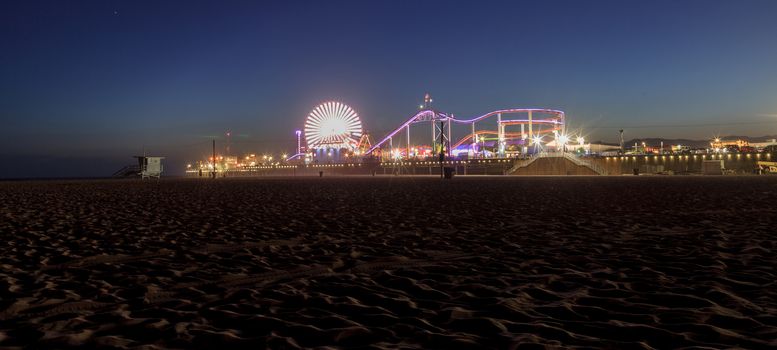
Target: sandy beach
(390,262)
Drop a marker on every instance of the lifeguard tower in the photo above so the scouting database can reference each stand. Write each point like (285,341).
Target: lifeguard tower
(150,166)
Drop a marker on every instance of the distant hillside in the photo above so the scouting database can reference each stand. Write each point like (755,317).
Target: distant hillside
(655,141)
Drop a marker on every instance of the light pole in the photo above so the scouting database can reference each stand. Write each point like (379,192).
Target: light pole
(299,141)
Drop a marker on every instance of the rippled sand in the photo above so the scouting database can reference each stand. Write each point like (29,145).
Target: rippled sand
(624,262)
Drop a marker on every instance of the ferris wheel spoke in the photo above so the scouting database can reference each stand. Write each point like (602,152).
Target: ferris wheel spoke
(332,125)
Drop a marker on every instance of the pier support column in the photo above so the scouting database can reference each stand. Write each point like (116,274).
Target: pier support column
(531,134)
(407,154)
(450,143)
(524,138)
(500,134)
(391,149)
(434,137)
(474,138)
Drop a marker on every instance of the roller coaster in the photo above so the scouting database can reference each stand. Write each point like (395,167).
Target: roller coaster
(533,132)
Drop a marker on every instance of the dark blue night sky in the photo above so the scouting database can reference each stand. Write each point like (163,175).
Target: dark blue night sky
(86,84)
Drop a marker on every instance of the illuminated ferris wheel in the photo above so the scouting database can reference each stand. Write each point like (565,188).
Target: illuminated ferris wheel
(333,125)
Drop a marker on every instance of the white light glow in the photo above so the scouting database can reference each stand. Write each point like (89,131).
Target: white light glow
(332,125)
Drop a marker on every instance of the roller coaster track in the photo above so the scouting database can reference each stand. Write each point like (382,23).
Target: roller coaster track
(430,115)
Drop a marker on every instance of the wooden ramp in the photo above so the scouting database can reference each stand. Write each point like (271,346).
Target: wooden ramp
(553,166)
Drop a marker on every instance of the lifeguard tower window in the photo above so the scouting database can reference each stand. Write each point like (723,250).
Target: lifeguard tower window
(150,166)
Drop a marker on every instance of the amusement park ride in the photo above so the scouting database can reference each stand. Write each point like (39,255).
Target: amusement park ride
(333,132)
(508,141)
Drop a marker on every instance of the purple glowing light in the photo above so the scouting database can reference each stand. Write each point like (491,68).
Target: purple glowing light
(424,116)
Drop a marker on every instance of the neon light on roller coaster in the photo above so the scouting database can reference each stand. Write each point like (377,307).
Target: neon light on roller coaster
(559,114)
(559,117)
(534,121)
(413,119)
